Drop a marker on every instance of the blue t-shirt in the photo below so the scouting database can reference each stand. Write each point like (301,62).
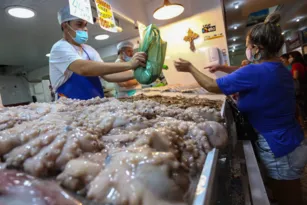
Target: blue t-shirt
(266,96)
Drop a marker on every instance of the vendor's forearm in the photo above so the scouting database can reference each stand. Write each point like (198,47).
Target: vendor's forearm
(119,77)
(229,69)
(205,81)
(93,68)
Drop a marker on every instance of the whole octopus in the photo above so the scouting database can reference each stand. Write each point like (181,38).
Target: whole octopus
(113,152)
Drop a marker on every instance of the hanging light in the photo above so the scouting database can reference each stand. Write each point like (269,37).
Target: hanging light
(102,37)
(168,11)
(20,12)
(236,5)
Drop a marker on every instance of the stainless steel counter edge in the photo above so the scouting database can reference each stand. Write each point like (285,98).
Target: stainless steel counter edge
(204,188)
(257,189)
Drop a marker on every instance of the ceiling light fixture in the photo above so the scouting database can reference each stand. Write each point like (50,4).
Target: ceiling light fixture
(236,5)
(48,55)
(283,33)
(102,37)
(297,20)
(168,11)
(20,12)
(234,39)
(303,28)
(233,51)
(235,27)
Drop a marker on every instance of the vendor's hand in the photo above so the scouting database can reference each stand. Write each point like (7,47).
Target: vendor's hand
(128,84)
(122,84)
(183,65)
(214,68)
(138,60)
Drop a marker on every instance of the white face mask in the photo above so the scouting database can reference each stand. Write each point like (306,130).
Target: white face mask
(252,56)
(249,54)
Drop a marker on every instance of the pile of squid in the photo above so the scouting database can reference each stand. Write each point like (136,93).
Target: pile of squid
(177,88)
(178,101)
(110,152)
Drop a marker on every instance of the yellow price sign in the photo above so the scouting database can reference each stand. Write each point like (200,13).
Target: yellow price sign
(106,17)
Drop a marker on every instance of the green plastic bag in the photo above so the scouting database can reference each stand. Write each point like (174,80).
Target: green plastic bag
(155,48)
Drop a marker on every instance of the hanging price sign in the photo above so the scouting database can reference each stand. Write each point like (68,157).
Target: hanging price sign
(81,9)
(106,16)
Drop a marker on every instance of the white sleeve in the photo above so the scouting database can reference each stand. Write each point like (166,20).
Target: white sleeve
(62,55)
(97,56)
(118,60)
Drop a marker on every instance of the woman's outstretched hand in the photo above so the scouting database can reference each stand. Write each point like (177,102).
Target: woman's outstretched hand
(183,65)
(214,68)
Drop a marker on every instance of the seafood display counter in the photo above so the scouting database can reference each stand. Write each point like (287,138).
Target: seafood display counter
(141,150)
(215,184)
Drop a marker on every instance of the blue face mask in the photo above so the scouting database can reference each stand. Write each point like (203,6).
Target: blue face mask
(81,36)
(126,58)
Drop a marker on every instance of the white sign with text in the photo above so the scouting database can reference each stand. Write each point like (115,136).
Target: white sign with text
(81,9)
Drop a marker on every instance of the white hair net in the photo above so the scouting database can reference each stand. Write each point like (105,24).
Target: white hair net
(125,44)
(64,15)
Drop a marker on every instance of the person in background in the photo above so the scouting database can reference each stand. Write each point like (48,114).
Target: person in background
(34,99)
(52,94)
(285,60)
(125,53)
(298,65)
(299,73)
(75,68)
(245,63)
(266,97)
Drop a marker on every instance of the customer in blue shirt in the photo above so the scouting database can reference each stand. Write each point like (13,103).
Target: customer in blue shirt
(267,97)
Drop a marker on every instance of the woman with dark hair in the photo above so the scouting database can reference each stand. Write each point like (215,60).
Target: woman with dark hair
(285,60)
(266,97)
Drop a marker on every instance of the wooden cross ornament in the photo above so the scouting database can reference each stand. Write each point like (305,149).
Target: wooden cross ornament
(190,38)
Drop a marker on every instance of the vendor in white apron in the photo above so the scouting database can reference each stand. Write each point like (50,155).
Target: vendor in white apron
(125,53)
(76,68)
